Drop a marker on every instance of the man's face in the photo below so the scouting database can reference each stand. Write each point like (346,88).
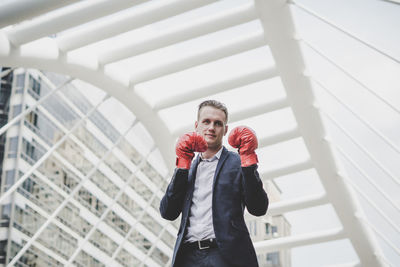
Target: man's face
(211,125)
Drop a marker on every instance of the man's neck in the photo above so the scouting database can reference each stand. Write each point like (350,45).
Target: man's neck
(210,152)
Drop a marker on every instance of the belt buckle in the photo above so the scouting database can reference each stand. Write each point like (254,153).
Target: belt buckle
(200,247)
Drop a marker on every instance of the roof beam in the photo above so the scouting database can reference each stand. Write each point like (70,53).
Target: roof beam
(12,11)
(347,264)
(65,18)
(280,137)
(283,206)
(228,18)
(284,243)
(286,170)
(243,114)
(126,22)
(259,109)
(229,48)
(233,82)
(151,121)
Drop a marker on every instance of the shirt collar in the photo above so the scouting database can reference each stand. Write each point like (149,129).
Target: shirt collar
(216,156)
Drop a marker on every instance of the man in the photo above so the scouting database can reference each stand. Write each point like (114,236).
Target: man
(212,192)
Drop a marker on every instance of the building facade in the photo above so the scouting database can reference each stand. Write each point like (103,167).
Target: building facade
(97,163)
(5,92)
(270,227)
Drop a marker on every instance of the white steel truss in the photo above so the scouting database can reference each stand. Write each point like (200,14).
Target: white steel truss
(84,40)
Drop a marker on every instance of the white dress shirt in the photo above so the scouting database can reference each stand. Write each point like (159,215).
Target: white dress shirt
(200,219)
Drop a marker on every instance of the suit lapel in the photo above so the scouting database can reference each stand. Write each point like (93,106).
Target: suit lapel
(221,161)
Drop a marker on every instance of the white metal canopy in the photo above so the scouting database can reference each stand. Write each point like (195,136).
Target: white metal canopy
(161,58)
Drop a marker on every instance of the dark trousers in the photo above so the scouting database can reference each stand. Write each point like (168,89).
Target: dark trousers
(192,257)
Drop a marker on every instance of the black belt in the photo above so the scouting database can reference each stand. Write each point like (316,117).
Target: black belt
(203,244)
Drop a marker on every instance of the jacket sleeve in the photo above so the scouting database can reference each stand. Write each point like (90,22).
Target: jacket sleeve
(172,202)
(255,197)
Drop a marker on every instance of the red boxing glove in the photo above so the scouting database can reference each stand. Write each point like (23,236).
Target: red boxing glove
(186,146)
(245,139)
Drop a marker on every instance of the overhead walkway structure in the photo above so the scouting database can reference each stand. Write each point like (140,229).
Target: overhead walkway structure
(161,58)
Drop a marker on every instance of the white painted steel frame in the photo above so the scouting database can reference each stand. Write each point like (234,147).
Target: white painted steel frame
(276,21)
(349,34)
(378,188)
(348,74)
(68,17)
(217,87)
(6,72)
(32,107)
(288,169)
(156,192)
(109,207)
(133,227)
(126,22)
(359,117)
(12,12)
(284,243)
(369,179)
(389,173)
(52,218)
(228,48)
(34,167)
(279,27)
(249,112)
(45,156)
(184,32)
(84,147)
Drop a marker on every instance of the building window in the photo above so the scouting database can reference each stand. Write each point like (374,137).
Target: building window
(35,86)
(4,99)
(3,250)
(30,150)
(273,259)
(274,230)
(267,228)
(10,178)
(3,119)
(16,110)
(13,147)
(32,117)
(5,215)
(20,80)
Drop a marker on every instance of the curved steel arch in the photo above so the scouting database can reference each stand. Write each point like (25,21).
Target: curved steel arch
(95,75)
(47,53)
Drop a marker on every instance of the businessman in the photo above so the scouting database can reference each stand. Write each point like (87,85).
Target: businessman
(212,192)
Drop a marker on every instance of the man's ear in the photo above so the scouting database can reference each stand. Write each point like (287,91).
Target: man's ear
(226,129)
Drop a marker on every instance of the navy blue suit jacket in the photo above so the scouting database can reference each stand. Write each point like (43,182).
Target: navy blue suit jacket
(234,188)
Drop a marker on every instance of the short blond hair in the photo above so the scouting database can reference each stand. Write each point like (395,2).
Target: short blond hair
(213,103)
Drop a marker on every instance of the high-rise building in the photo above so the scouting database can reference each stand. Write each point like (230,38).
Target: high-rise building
(270,227)
(5,92)
(117,191)
(90,197)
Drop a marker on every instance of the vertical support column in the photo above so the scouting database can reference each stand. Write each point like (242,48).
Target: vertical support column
(279,29)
